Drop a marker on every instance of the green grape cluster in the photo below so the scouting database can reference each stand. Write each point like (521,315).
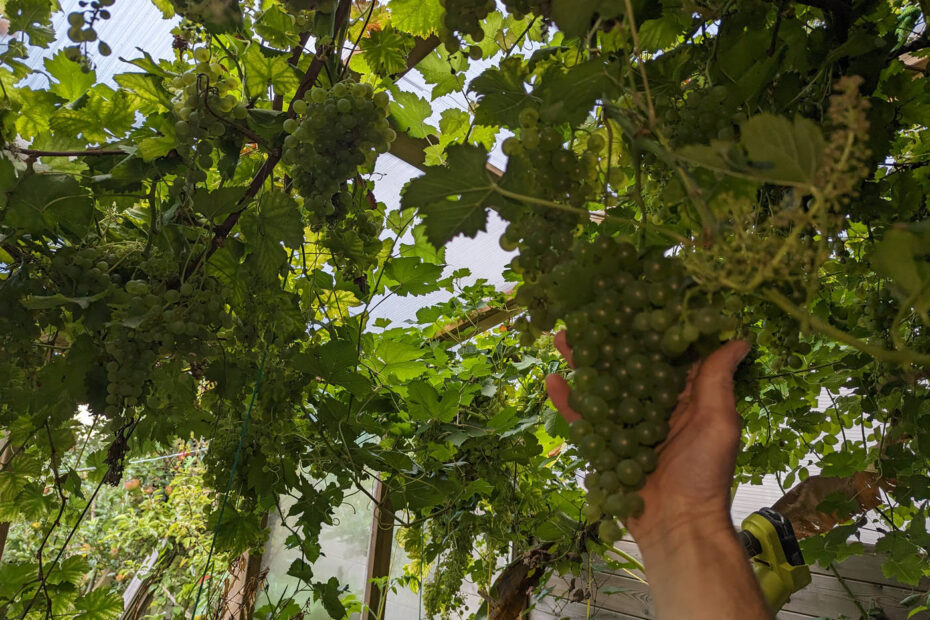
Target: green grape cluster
(465,16)
(82,32)
(337,131)
(154,320)
(636,324)
(216,15)
(520,8)
(206,96)
(702,116)
(88,270)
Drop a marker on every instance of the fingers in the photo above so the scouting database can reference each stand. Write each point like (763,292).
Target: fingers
(558,390)
(561,343)
(713,384)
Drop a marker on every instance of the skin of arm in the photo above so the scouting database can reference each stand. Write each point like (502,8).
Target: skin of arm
(696,566)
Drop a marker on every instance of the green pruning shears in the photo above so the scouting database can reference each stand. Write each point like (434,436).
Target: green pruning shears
(775,555)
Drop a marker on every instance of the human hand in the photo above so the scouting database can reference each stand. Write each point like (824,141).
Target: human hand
(691,482)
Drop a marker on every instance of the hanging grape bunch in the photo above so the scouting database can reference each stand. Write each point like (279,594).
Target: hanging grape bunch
(636,324)
(338,130)
(464,16)
(216,15)
(206,97)
(149,316)
(82,32)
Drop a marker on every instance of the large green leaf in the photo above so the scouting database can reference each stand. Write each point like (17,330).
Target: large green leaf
(782,151)
(334,362)
(412,276)
(446,75)
(568,96)
(264,69)
(71,81)
(424,402)
(453,199)
(501,94)
(49,204)
(148,88)
(418,17)
(903,559)
(386,51)
(409,112)
(218,203)
(99,604)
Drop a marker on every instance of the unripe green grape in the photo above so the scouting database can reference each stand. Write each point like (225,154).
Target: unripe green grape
(608,531)
(76,19)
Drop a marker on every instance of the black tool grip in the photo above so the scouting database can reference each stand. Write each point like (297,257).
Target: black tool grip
(750,543)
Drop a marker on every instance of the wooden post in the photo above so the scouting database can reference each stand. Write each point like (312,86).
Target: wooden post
(5,457)
(244,583)
(379,554)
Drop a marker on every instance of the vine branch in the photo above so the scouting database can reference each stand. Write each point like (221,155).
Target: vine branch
(901,356)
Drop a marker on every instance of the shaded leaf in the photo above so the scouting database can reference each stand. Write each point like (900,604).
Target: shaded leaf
(783,151)
(453,199)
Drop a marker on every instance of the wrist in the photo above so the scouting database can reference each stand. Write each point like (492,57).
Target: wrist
(673,529)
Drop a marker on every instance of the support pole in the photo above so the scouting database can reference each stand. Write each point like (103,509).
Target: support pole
(379,555)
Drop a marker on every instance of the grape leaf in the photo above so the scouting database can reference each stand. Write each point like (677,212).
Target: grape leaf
(447,76)
(903,558)
(50,203)
(501,94)
(280,218)
(262,70)
(71,82)
(385,51)
(217,203)
(418,17)
(410,112)
(99,604)
(453,199)
(575,17)
(153,98)
(568,96)
(31,17)
(424,402)
(412,275)
(789,153)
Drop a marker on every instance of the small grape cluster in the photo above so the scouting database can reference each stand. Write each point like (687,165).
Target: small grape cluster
(556,169)
(520,8)
(635,324)
(704,115)
(465,16)
(206,97)
(158,320)
(216,15)
(88,269)
(81,31)
(341,129)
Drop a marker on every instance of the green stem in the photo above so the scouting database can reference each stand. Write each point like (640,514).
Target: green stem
(554,205)
(629,558)
(902,356)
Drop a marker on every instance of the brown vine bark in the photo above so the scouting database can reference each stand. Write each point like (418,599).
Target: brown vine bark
(509,596)
(800,504)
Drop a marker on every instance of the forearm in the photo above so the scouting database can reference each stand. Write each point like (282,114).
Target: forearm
(700,571)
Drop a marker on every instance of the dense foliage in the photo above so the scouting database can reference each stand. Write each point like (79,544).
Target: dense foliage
(193,248)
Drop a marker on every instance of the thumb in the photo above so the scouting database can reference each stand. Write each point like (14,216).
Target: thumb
(713,385)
